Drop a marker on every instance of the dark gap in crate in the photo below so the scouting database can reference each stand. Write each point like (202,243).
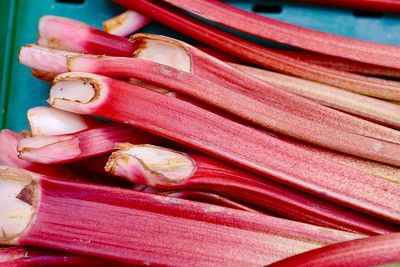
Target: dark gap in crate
(261,8)
(71,1)
(367,14)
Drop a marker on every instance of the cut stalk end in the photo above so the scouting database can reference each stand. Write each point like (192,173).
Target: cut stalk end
(150,165)
(18,196)
(162,50)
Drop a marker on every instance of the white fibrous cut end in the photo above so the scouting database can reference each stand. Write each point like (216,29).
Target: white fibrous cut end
(76,90)
(150,165)
(17,194)
(52,121)
(126,23)
(165,52)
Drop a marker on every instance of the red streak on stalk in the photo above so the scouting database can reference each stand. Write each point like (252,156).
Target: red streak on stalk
(85,144)
(388,6)
(367,252)
(260,55)
(235,143)
(9,157)
(266,115)
(142,228)
(342,64)
(72,35)
(217,200)
(33,257)
(282,32)
(214,176)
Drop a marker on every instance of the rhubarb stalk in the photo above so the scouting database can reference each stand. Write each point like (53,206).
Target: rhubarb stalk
(387,6)
(282,32)
(367,252)
(126,23)
(267,112)
(142,228)
(318,130)
(225,139)
(85,144)
(257,54)
(165,169)
(364,106)
(52,121)
(31,257)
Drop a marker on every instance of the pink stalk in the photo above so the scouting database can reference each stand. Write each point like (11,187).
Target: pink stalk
(142,228)
(268,113)
(260,55)
(33,257)
(225,139)
(282,32)
(388,6)
(165,169)
(300,86)
(126,23)
(216,200)
(9,157)
(327,128)
(363,106)
(81,37)
(85,144)
(52,121)
(367,252)
(342,63)
(347,138)
(220,55)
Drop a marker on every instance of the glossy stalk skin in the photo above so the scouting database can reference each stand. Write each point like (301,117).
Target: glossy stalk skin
(125,23)
(366,252)
(260,55)
(374,109)
(286,33)
(387,6)
(33,257)
(375,142)
(85,144)
(54,31)
(217,136)
(216,200)
(142,228)
(39,57)
(9,157)
(163,169)
(262,111)
(342,64)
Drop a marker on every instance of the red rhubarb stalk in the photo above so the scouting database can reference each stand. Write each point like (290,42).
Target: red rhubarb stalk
(225,139)
(367,107)
(342,63)
(142,228)
(126,23)
(32,257)
(85,144)
(269,113)
(9,157)
(388,6)
(165,169)
(52,121)
(375,168)
(81,37)
(301,37)
(366,252)
(259,55)
(351,140)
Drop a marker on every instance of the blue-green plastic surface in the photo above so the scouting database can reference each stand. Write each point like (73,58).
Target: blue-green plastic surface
(19,18)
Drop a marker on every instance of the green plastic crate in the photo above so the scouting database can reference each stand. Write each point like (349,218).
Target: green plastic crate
(19,18)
